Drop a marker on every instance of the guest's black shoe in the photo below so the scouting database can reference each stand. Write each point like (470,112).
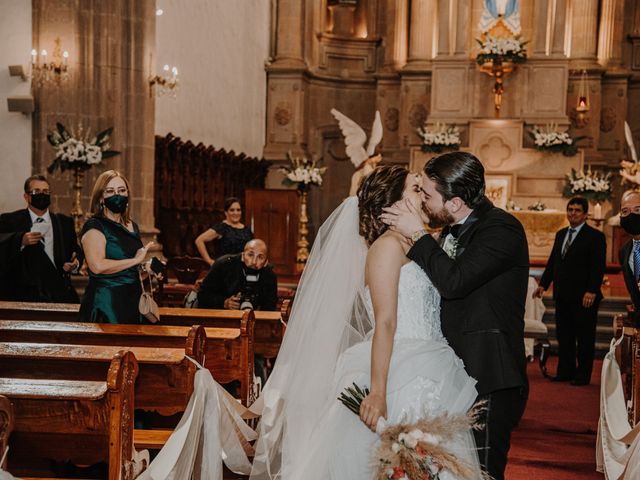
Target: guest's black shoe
(561,378)
(579,383)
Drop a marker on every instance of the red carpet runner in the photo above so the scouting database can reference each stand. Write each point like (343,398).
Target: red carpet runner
(556,437)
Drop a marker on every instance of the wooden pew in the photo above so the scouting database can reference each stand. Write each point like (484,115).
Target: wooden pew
(6,427)
(227,352)
(269,329)
(85,422)
(164,384)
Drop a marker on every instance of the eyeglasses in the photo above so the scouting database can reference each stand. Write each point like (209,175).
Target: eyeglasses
(36,191)
(112,191)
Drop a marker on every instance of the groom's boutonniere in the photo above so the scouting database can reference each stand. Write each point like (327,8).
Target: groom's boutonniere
(450,246)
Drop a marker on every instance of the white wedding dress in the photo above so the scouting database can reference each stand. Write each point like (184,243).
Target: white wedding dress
(306,433)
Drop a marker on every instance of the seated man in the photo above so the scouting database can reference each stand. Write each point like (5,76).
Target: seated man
(38,250)
(240,281)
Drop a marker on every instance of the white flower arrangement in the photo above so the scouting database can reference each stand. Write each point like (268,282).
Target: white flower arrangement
(302,172)
(79,150)
(443,137)
(591,185)
(551,139)
(503,49)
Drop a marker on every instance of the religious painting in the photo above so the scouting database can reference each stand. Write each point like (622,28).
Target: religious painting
(498,189)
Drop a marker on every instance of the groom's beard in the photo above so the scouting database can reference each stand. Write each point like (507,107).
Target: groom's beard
(439,219)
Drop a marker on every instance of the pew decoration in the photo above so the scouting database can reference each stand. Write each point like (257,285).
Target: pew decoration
(550,139)
(78,151)
(302,173)
(191,183)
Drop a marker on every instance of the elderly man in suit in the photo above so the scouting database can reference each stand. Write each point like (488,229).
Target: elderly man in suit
(576,268)
(630,251)
(38,249)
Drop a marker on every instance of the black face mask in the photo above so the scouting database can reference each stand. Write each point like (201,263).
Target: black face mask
(116,203)
(41,201)
(631,224)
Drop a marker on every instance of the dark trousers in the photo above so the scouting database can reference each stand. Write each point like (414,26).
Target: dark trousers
(576,333)
(504,408)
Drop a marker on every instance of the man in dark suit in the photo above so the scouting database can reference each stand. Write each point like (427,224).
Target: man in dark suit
(481,271)
(38,250)
(576,268)
(630,251)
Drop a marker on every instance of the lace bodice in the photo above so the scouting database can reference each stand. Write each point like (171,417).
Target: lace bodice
(418,306)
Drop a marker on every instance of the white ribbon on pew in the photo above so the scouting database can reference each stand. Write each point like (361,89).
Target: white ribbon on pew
(4,475)
(210,432)
(617,444)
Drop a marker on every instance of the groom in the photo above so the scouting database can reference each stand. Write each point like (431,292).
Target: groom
(481,271)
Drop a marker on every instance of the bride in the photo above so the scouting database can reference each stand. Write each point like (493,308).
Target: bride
(358,276)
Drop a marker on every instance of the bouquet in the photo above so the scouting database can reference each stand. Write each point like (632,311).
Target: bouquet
(302,172)
(417,451)
(443,137)
(550,139)
(501,49)
(537,207)
(590,185)
(79,150)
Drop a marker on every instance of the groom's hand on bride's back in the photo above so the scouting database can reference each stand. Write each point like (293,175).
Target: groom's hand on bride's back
(403,217)
(372,408)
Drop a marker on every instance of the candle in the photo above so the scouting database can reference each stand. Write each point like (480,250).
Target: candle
(34,56)
(65,56)
(597,211)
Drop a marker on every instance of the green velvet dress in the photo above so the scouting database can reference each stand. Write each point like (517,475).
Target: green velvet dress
(113,297)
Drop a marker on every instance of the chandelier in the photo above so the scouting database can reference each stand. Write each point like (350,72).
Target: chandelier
(165,84)
(45,71)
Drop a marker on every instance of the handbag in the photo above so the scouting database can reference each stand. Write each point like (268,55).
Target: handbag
(147,306)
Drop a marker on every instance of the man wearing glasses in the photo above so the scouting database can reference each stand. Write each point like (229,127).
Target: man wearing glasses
(38,250)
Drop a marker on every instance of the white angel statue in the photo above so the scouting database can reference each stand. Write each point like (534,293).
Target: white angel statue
(630,170)
(354,139)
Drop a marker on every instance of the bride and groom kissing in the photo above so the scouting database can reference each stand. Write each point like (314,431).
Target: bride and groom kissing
(430,325)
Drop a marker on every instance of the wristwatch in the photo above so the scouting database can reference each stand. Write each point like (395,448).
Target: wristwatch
(418,234)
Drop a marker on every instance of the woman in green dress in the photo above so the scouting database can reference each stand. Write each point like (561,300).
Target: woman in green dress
(114,253)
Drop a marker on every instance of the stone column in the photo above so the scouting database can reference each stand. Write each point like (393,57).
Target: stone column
(395,39)
(111,49)
(290,34)
(584,31)
(421,33)
(611,33)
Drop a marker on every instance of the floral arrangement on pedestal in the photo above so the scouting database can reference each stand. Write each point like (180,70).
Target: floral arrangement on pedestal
(302,172)
(594,186)
(442,138)
(501,49)
(550,139)
(79,150)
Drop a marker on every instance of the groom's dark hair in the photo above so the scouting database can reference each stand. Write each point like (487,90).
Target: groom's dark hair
(457,174)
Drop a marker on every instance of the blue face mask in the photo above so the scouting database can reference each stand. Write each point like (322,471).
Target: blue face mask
(116,203)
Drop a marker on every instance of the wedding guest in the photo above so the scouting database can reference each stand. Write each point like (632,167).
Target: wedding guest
(630,251)
(230,235)
(114,253)
(576,268)
(38,249)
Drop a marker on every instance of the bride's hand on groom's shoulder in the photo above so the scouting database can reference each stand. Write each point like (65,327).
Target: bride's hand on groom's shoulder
(372,408)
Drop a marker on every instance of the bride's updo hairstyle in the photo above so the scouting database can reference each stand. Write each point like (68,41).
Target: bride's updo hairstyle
(381,188)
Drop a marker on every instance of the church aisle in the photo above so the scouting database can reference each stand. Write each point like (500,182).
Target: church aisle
(556,438)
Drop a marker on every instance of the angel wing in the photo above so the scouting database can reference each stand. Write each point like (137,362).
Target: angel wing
(376,134)
(354,138)
(629,136)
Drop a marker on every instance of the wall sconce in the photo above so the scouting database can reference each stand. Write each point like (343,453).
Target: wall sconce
(583,105)
(56,71)
(166,84)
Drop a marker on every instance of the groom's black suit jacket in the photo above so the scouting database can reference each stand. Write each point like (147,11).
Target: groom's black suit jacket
(27,273)
(483,294)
